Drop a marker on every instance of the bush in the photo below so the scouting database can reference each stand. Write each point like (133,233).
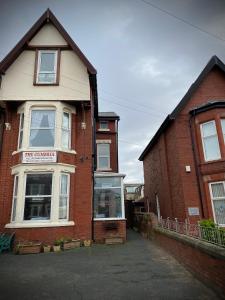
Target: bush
(209,223)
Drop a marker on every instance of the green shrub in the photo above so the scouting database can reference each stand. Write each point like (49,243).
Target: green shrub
(207,223)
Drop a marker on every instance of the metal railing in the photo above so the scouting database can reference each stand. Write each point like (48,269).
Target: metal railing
(212,235)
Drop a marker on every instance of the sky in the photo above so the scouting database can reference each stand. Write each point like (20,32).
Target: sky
(147,54)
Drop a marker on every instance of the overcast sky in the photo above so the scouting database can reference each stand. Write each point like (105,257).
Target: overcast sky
(146,58)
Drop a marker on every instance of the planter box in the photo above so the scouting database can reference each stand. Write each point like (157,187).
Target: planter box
(87,243)
(28,249)
(56,248)
(46,249)
(71,245)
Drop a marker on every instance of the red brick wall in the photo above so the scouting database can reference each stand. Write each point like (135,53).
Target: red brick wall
(164,165)
(110,135)
(206,267)
(80,183)
(100,233)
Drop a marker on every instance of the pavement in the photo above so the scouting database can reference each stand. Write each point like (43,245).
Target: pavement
(139,269)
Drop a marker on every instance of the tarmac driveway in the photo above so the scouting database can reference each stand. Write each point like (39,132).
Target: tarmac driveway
(137,270)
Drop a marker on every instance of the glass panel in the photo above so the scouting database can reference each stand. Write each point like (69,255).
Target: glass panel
(66,120)
(211,147)
(38,199)
(107,203)
(104,125)
(63,207)
(20,139)
(15,197)
(103,162)
(223,125)
(218,190)
(107,182)
(39,184)
(47,62)
(208,129)
(64,184)
(65,139)
(103,149)
(42,137)
(43,119)
(46,77)
(219,208)
(21,121)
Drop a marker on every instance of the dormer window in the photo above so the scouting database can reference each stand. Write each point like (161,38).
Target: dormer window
(47,67)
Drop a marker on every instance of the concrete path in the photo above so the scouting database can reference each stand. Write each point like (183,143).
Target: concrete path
(136,270)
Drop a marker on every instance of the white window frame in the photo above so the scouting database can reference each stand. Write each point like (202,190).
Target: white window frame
(157,206)
(202,138)
(63,195)
(107,156)
(21,130)
(215,199)
(59,108)
(56,169)
(46,72)
(42,128)
(122,198)
(68,130)
(15,198)
(38,173)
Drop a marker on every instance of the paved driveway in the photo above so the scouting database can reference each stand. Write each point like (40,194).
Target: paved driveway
(136,270)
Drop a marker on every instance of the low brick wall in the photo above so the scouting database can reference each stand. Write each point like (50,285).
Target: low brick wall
(109,229)
(206,261)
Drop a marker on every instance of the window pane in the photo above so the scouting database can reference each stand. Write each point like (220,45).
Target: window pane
(66,120)
(46,77)
(219,209)
(103,149)
(39,184)
(21,121)
(211,147)
(64,184)
(42,137)
(15,197)
(107,182)
(218,190)
(208,129)
(47,62)
(65,139)
(38,197)
(43,119)
(103,162)
(20,139)
(104,125)
(63,207)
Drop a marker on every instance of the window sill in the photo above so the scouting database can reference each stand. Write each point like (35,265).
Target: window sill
(101,170)
(110,219)
(103,129)
(39,225)
(46,84)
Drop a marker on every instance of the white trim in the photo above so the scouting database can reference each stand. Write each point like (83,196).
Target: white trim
(103,141)
(108,174)
(109,219)
(101,129)
(213,199)
(214,135)
(33,224)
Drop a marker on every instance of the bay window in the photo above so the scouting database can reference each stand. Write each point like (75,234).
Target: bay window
(15,193)
(210,141)
(217,191)
(108,198)
(20,140)
(47,62)
(66,132)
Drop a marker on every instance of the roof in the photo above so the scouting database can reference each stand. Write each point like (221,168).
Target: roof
(214,62)
(47,16)
(108,115)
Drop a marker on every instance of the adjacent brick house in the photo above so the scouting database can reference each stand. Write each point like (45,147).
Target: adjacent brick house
(184,163)
(48,115)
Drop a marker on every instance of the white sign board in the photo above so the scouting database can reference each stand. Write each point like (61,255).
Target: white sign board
(38,157)
(193,211)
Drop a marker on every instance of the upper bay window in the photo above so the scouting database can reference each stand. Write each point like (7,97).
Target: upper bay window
(45,125)
(46,68)
(210,141)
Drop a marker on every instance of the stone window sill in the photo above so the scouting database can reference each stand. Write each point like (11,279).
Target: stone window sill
(39,224)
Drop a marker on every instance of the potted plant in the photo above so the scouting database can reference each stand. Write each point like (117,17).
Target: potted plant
(28,247)
(70,243)
(87,243)
(46,248)
(57,245)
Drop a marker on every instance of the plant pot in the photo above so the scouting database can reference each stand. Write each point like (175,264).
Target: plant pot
(56,248)
(28,249)
(46,249)
(71,245)
(87,243)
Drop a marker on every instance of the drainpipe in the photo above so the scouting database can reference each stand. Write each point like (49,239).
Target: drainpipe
(93,177)
(196,162)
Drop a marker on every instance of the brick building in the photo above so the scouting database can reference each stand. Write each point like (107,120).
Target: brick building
(48,119)
(184,163)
